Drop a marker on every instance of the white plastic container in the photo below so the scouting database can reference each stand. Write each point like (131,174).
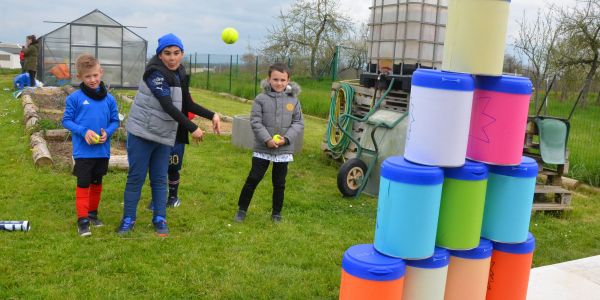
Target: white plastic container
(425,279)
(439,117)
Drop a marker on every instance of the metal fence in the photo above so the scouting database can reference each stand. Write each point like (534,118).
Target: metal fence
(240,75)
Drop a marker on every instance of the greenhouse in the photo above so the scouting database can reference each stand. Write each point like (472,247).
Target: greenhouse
(121,52)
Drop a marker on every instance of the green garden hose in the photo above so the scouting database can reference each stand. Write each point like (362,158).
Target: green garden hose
(337,141)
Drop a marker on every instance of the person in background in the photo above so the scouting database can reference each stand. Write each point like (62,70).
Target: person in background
(30,56)
(22,59)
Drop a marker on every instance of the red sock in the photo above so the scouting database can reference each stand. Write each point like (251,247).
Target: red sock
(95,192)
(82,201)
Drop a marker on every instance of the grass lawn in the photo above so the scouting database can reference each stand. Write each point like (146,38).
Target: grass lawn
(207,255)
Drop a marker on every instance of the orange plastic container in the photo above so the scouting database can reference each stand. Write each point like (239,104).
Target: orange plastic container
(468,273)
(367,274)
(509,270)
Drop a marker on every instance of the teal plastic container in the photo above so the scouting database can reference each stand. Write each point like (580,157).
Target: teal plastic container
(408,208)
(508,201)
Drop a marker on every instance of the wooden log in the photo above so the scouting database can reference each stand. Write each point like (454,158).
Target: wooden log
(126,99)
(118,162)
(26,99)
(30,111)
(30,124)
(57,134)
(39,151)
(69,89)
(570,183)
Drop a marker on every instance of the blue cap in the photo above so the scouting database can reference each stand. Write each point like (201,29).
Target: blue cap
(396,168)
(484,250)
(441,80)
(504,84)
(521,248)
(527,168)
(440,258)
(363,261)
(469,171)
(168,40)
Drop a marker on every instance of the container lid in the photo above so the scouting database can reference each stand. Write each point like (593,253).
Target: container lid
(396,168)
(440,258)
(484,250)
(504,84)
(469,171)
(441,80)
(363,261)
(520,248)
(527,168)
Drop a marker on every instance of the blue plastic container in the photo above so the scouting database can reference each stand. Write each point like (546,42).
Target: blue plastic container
(508,201)
(408,208)
(368,274)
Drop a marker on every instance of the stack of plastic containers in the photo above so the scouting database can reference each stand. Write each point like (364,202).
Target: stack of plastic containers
(455,209)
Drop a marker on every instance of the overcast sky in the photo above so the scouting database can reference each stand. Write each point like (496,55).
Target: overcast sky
(198,23)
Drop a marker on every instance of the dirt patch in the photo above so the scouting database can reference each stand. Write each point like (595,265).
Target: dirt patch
(62,152)
(206,125)
(49,98)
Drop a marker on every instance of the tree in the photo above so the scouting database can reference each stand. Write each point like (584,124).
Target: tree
(537,40)
(311,28)
(579,45)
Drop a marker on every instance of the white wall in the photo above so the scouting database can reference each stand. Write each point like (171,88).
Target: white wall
(11,63)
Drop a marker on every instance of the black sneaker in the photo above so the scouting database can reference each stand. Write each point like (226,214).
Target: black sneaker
(240,216)
(83,227)
(93,216)
(173,202)
(276,218)
(160,226)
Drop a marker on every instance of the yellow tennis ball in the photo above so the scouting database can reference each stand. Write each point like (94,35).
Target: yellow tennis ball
(96,139)
(277,138)
(229,35)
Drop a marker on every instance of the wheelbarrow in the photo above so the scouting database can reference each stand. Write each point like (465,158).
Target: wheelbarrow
(353,175)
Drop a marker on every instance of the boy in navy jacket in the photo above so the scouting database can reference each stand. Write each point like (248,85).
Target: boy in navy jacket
(92,117)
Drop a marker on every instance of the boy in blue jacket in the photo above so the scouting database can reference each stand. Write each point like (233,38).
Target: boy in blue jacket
(92,117)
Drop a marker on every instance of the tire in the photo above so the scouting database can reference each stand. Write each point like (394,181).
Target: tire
(350,176)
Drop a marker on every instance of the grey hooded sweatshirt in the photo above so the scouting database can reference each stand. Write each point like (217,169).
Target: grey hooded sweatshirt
(276,113)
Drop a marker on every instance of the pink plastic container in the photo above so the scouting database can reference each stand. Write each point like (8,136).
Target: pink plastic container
(498,119)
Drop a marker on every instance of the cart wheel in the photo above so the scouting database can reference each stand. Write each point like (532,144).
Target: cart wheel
(350,176)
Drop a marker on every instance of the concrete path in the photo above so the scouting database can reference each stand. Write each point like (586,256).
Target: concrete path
(576,280)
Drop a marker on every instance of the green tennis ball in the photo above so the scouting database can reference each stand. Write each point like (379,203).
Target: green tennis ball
(277,138)
(229,35)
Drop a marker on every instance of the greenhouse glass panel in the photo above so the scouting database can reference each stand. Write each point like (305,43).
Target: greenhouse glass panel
(96,18)
(83,35)
(109,36)
(112,76)
(109,56)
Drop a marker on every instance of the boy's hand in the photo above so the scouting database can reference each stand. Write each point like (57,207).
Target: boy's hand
(91,137)
(272,144)
(103,136)
(216,122)
(198,135)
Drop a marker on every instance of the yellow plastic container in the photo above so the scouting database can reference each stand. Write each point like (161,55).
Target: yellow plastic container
(476,36)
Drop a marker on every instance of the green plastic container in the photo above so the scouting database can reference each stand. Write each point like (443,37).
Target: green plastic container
(461,210)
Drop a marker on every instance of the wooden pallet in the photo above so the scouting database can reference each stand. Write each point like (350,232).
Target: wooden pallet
(548,197)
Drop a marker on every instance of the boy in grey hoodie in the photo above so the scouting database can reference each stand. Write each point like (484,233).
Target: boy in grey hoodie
(277,123)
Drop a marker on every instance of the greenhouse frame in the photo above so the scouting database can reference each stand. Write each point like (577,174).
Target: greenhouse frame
(121,52)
